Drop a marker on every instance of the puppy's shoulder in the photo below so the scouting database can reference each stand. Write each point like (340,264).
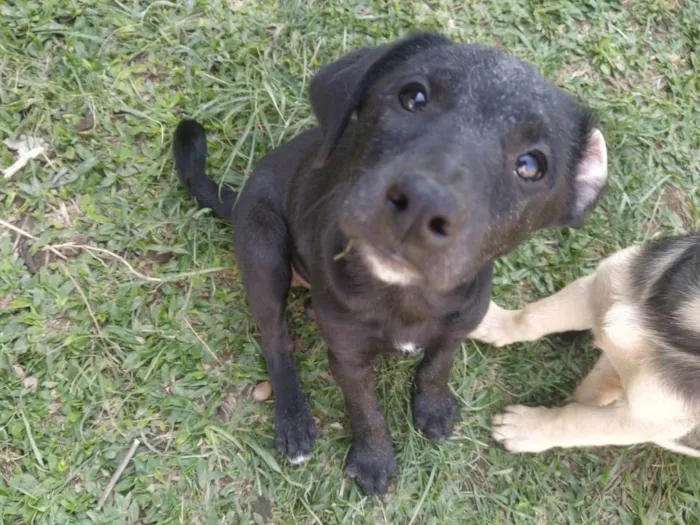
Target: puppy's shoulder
(614,300)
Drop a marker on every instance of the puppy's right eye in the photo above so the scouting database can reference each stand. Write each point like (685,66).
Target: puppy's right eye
(413,97)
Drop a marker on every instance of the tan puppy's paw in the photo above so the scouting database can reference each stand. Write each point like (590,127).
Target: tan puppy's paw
(500,327)
(524,429)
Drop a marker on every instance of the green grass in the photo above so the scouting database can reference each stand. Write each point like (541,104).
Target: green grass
(93,355)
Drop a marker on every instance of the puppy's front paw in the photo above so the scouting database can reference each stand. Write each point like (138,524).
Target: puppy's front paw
(500,327)
(435,416)
(371,467)
(295,431)
(524,429)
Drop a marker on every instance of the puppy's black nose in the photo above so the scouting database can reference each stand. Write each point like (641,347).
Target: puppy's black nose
(422,212)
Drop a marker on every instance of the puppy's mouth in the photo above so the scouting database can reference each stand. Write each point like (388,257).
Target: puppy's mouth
(388,266)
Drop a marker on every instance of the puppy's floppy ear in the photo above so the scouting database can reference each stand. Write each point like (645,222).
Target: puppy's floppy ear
(590,176)
(338,89)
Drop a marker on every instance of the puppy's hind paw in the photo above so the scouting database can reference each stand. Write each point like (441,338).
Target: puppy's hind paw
(524,429)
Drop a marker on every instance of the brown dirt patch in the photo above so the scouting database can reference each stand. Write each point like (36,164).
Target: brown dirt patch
(676,200)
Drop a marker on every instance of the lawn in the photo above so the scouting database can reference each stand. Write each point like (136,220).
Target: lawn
(122,316)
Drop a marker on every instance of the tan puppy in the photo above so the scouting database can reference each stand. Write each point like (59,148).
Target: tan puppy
(643,306)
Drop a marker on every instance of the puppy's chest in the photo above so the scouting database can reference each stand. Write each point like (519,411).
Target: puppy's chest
(410,340)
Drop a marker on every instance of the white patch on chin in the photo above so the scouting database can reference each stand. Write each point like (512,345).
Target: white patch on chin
(387,270)
(408,348)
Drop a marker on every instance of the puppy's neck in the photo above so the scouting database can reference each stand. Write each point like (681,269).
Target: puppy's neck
(352,283)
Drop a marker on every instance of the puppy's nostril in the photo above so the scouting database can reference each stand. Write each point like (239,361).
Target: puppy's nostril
(397,199)
(439,226)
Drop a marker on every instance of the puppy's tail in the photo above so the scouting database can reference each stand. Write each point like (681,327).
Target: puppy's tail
(190,151)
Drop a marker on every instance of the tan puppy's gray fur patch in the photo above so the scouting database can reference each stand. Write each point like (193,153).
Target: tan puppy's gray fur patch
(642,304)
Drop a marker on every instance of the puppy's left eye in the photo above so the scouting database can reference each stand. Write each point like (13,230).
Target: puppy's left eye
(532,166)
(413,97)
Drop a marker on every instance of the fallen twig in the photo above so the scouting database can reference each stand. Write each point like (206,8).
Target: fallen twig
(129,267)
(342,254)
(119,258)
(23,233)
(85,299)
(202,341)
(92,250)
(117,474)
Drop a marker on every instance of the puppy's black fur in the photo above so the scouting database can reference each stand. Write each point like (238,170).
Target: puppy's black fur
(667,279)
(431,159)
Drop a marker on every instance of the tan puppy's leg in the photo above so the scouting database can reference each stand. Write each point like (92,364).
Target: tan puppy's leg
(534,429)
(566,310)
(602,386)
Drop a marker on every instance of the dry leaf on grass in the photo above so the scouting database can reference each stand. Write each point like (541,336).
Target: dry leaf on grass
(228,405)
(86,123)
(30,382)
(6,302)
(27,148)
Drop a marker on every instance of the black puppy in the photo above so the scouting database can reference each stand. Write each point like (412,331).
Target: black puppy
(431,159)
